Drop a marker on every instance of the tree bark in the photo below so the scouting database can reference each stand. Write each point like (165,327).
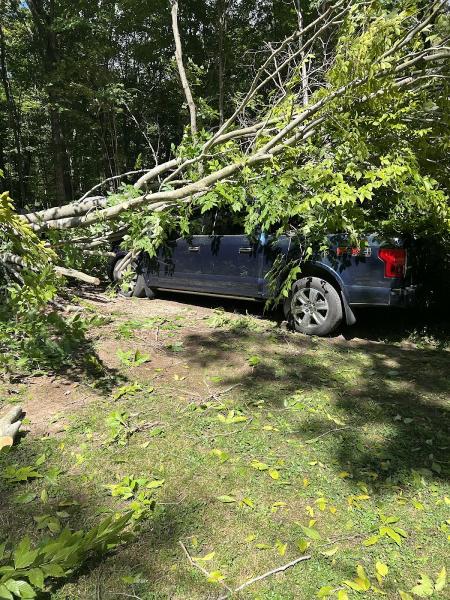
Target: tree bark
(221,32)
(9,426)
(305,93)
(182,71)
(13,116)
(43,21)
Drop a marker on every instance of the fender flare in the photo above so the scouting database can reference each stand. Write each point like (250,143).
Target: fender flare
(318,267)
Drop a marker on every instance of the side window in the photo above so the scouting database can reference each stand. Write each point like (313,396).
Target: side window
(217,222)
(202,224)
(228,223)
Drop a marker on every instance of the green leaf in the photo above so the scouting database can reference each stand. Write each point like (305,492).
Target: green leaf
(342,595)
(441,580)
(361,583)
(303,545)
(20,588)
(215,577)
(248,502)
(5,594)
(373,539)
(329,553)
(392,534)
(362,578)
(325,591)
(313,534)
(405,595)
(354,585)
(424,588)
(23,555)
(260,466)
(274,474)
(226,499)
(40,460)
(25,498)
(36,577)
(207,557)
(157,483)
(381,569)
(254,360)
(53,570)
(221,454)
(281,547)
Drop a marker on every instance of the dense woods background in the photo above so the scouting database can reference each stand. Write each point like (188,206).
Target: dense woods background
(90,88)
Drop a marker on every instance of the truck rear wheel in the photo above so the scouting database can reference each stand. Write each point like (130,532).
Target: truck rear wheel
(313,307)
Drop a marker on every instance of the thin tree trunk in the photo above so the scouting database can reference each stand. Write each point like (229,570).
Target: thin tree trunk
(221,31)
(5,180)
(43,20)
(13,116)
(58,154)
(181,69)
(302,54)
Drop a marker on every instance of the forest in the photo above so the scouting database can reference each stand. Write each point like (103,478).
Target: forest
(186,448)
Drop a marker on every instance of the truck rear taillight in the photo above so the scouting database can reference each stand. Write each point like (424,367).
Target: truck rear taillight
(394,261)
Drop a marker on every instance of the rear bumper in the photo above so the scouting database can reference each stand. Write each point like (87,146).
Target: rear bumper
(382,296)
(405,296)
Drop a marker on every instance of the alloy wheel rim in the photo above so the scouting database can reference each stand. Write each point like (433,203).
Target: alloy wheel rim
(309,307)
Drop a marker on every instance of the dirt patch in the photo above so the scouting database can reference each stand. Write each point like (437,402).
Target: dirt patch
(49,400)
(173,331)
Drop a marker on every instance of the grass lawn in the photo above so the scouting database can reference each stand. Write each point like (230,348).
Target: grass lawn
(271,446)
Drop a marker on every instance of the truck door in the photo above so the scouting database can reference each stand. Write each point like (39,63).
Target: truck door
(232,261)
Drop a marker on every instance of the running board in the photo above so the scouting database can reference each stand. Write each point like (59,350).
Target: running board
(211,295)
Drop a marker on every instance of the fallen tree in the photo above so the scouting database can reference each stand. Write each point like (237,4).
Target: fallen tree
(366,132)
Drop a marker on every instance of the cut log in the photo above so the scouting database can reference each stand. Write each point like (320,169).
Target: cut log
(77,275)
(9,426)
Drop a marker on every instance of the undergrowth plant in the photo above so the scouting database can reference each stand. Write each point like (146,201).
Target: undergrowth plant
(26,569)
(33,335)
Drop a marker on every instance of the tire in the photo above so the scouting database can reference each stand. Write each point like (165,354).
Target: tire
(134,287)
(313,307)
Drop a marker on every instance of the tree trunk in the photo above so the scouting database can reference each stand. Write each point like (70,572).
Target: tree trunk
(58,153)
(43,21)
(13,116)
(305,93)
(181,69)
(221,31)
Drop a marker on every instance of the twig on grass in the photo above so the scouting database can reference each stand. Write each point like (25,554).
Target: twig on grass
(268,574)
(226,433)
(202,569)
(314,439)
(212,396)
(180,501)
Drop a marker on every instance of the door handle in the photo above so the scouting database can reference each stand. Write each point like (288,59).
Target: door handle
(194,248)
(245,250)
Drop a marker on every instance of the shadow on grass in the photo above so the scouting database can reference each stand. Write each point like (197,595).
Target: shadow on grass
(58,343)
(81,503)
(387,324)
(421,326)
(392,400)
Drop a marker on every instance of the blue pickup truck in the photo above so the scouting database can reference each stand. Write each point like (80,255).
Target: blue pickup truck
(235,266)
